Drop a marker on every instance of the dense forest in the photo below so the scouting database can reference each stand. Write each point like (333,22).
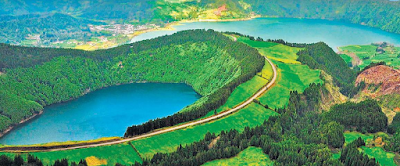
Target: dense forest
(321,56)
(295,137)
(34,161)
(206,60)
(366,116)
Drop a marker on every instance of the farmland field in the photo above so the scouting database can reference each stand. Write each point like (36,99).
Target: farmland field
(383,157)
(251,116)
(251,156)
(121,153)
(368,55)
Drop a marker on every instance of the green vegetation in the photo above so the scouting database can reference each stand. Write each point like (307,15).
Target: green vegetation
(43,30)
(371,54)
(381,156)
(121,153)
(293,137)
(149,146)
(384,158)
(350,155)
(352,136)
(250,156)
(208,61)
(366,116)
(321,56)
(379,14)
(250,116)
(292,76)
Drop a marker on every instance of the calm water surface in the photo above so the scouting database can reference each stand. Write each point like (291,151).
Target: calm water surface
(103,113)
(109,111)
(333,33)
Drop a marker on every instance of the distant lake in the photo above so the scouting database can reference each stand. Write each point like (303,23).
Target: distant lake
(103,113)
(333,33)
(108,112)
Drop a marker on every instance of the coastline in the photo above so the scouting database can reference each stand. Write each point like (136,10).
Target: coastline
(5,132)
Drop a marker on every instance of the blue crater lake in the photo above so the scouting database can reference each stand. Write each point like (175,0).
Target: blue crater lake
(108,112)
(103,113)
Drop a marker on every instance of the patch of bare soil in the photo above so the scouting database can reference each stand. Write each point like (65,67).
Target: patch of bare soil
(213,142)
(388,77)
(356,61)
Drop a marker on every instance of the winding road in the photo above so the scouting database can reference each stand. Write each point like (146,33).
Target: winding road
(173,128)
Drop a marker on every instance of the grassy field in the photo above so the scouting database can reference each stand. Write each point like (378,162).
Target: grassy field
(348,59)
(351,136)
(292,77)
(121,153)
(252,115)
(251,156)
(368,54)
(247,89)
(384,158)
(291,74)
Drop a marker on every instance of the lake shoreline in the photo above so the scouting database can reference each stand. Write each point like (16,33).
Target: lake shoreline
(9,129)
(170,26)
(87,91)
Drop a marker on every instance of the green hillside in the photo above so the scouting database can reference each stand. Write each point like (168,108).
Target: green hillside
(368,54)
(208,61)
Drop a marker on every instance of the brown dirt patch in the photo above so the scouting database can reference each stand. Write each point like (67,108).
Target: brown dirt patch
(356,61)
(388,77)
(213,142)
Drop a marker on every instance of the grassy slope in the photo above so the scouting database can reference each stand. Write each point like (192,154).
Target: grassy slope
(252,115)
(384,158)
(291,74)
(251,156)
(121,153)
(367,53)
(162,143)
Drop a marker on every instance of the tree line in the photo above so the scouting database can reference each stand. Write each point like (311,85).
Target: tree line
(297,136)
(206,60)
(366,116)
(321,56)
(34,161)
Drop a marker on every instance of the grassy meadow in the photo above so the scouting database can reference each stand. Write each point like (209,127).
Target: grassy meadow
(381,156)
(292,76)
(121,153)
(368,54)
(251,116)
(251,156)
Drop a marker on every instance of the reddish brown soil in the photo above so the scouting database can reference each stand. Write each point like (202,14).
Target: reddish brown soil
(388,77)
